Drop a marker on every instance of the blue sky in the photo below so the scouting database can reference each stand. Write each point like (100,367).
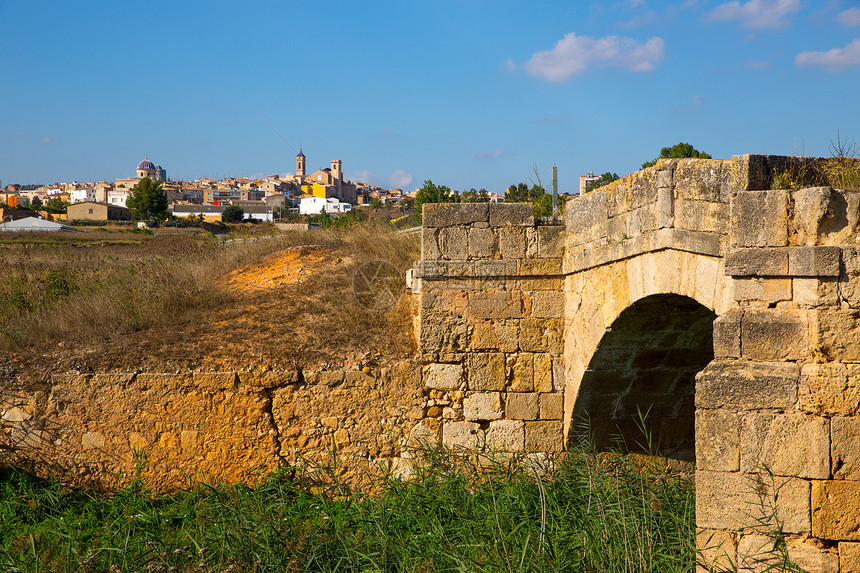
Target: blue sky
(468,93)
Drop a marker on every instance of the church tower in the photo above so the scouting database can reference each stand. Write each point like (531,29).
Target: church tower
(300,165)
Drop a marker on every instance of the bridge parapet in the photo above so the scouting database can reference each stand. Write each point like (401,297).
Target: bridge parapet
(491,305)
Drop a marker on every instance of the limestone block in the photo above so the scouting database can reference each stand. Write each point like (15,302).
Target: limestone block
(757,554)
(831,389)
(739,385)
(430,245)
(813,557)
(531,243)
(522,406)
(543,372)
(541,335)
(548,304)
(768,290)
(702,216)
(443,376)
(495,269)
(483,406)
(544,436)
(583,215)
(838,334)
(665,207)
(498,305)
(466,435)
(552,406)
(735,501)
(814,207)
(727,334)
(550,241)
(540,267)
(482,243)
(453,243)
(92,441)
(849,281)
(506,436)
(771,262)
(520,369)
(484,337)
(760,218)
(836,510)
(815,291)
(775,334)
(358,379)
(845,447)
(450,214)
(422,437)
(508,335)
(486,372)
(512,242)
(788,444)
(702,179)
(849,557)
(718,435)
(717,550)
(819,261)
(188,440)
(511,214)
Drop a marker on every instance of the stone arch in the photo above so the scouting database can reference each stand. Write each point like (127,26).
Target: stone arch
(682,283)
(639,386)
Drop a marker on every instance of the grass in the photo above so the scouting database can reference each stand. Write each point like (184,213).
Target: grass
(841,170)
(593,512)
(97,293)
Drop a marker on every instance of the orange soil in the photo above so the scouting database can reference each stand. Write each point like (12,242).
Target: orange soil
(293,265)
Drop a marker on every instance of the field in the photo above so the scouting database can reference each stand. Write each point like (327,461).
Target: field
(116,299)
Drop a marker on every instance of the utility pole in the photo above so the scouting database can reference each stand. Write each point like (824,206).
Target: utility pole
(554,192)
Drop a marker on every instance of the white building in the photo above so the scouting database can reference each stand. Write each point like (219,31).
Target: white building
(83,194)
(118,196)
(316,205)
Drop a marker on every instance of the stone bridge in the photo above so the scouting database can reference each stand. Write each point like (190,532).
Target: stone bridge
(687,309)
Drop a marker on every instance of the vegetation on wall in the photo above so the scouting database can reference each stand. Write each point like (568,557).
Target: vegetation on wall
(604,179)
(678,151)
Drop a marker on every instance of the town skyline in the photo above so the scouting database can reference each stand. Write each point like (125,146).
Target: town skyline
(469,94)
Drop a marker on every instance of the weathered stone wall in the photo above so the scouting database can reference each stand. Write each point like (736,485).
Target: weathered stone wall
(778,411)
(490,325)
(219,426)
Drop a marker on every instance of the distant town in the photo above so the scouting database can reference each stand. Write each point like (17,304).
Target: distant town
(261,199)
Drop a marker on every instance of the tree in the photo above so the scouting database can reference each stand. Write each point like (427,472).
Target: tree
(147,200)
(375,203)
(56,205)
(472,196)
(604,179)
(522,193)
(678,151)
(233,214)
(430,193)
(35,203)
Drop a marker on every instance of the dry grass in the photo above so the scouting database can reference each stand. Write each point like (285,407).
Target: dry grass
(166,302)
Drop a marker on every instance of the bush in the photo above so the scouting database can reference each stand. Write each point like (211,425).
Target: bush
(233,214)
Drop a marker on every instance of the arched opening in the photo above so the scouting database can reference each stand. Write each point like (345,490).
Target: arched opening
(638,391)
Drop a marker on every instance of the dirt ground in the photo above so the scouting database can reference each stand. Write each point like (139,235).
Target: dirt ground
(287,308)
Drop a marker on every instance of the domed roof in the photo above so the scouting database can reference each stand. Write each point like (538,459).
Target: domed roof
(146,165)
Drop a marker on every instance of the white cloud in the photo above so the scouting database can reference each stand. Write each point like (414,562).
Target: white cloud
(573,55)
(364,176)
(755,66)
(849,17)
(835,60)
(639,21)
(497,153)
(755,14)
(46,140)
(399,179)
(694,102)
